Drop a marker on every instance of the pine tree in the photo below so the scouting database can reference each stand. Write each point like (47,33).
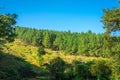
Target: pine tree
(46,40)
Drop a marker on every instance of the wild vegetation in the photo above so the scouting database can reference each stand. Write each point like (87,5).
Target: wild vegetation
(89,44)
(51,65)
(54,55)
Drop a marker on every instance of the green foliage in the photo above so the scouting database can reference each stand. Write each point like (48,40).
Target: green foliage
(7,30)
(47,40)
(101,70)
(41,50)
(88,43)
(56,68)
(40,60)
(115,66)
(116,72)
(111,19)
(81,70)
(57,44)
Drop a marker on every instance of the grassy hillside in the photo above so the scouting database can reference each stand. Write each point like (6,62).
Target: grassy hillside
(20,49)
(19,60)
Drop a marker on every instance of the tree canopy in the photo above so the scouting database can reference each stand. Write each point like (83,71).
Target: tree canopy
(111,20)
(7,31)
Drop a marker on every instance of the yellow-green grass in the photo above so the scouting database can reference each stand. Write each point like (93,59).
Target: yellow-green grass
(20,49)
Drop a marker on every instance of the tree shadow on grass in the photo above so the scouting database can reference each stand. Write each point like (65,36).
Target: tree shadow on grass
(15,68)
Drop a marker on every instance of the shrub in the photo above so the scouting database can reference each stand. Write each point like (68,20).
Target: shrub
(101,70)
(41,50)
(56,68)
(81,71)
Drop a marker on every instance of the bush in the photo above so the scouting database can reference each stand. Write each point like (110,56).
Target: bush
(81,70)
(101,70)
(41,50)
(56,68)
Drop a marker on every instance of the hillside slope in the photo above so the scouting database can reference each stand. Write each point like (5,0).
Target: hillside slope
(17,62)
(20,59)
(30,53)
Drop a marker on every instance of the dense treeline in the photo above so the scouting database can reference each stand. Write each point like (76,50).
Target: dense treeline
(90,44)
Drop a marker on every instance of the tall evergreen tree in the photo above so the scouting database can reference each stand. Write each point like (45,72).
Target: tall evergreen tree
(46,40)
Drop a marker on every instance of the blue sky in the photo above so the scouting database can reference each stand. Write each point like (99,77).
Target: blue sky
(61,15)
